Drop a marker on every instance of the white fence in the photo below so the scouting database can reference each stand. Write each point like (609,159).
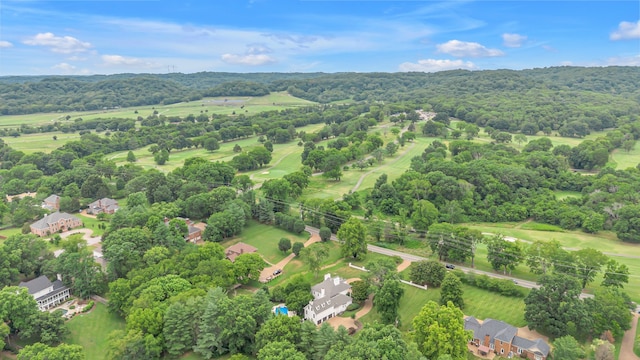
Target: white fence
(423,287)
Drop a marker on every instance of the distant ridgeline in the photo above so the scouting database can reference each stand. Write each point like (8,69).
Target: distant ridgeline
(502,99)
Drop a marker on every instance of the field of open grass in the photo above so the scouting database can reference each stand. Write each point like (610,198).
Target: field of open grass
(604,241)
(44,142)
(624,160)
(479,303)
(624,253)
(216,105)
(265,238)
(225,153)
(92,329)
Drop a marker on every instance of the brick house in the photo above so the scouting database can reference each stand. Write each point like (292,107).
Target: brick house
(51,203)
(52,223)
(104,205)
(233,251)
(330,298)
(501,338)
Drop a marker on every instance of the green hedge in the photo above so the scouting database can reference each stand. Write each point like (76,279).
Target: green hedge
(500,286)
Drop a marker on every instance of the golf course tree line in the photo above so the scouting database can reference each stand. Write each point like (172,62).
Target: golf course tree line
(467,181)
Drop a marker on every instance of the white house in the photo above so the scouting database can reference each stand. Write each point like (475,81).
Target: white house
(48,294)
(330,298)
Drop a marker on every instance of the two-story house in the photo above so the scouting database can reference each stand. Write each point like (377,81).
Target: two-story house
(330,298)
(48,294)
(52,223)
(51,203)
(501,338)
(104,205)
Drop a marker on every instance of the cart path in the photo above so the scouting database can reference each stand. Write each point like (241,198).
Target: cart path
(406,150)
(626,348)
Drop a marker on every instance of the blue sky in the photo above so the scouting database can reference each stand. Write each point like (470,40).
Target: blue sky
(157,36)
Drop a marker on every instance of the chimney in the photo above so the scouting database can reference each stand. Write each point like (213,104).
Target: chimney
(336,281)
(327,276)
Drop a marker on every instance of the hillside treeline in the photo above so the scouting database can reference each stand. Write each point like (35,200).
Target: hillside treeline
(570,100)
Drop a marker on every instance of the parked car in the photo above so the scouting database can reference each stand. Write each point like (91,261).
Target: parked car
(277,272)
(515,281)
(450,266)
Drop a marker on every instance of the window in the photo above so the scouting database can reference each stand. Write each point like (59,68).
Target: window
(491,346)
(501,351)
(519,351)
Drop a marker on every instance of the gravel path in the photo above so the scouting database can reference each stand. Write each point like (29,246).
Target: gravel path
(268,272)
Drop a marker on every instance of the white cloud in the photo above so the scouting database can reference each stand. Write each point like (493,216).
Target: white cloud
(626,30)
(434,65)
(5,44)
(119,60)
(64,67)
(76,58)
(513,40)
(459,48)
(68,69)
(58,44)
(624,60)
(248,59)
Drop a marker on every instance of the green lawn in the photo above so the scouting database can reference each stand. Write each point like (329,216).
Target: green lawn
(92,223)
(216,105)
(624,160)
(91,330)
(44,142)
(265,238)
(395,166)
(604,241)
(225,153)
(479,303)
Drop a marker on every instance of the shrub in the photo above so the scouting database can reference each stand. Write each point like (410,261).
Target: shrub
(501,286)
(353,306)
(88,307)
(72,307)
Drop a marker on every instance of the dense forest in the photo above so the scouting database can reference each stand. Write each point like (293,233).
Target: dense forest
(550,97)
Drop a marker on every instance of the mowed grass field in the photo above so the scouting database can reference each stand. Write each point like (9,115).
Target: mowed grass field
(214,105)
(624,160)
(42,142)
(265,238)
(225,153)
(604,241)
(479,303)
(91,330)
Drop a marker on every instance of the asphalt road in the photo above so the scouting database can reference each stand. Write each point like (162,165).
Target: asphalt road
(404,256)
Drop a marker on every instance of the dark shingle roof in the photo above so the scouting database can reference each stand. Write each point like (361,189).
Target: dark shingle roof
(58,287)
(472,324)
(38,284)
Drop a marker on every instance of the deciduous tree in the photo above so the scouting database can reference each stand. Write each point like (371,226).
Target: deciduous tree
(353,236)
(427,272)
(452,291)
(387,301)
(439,330)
